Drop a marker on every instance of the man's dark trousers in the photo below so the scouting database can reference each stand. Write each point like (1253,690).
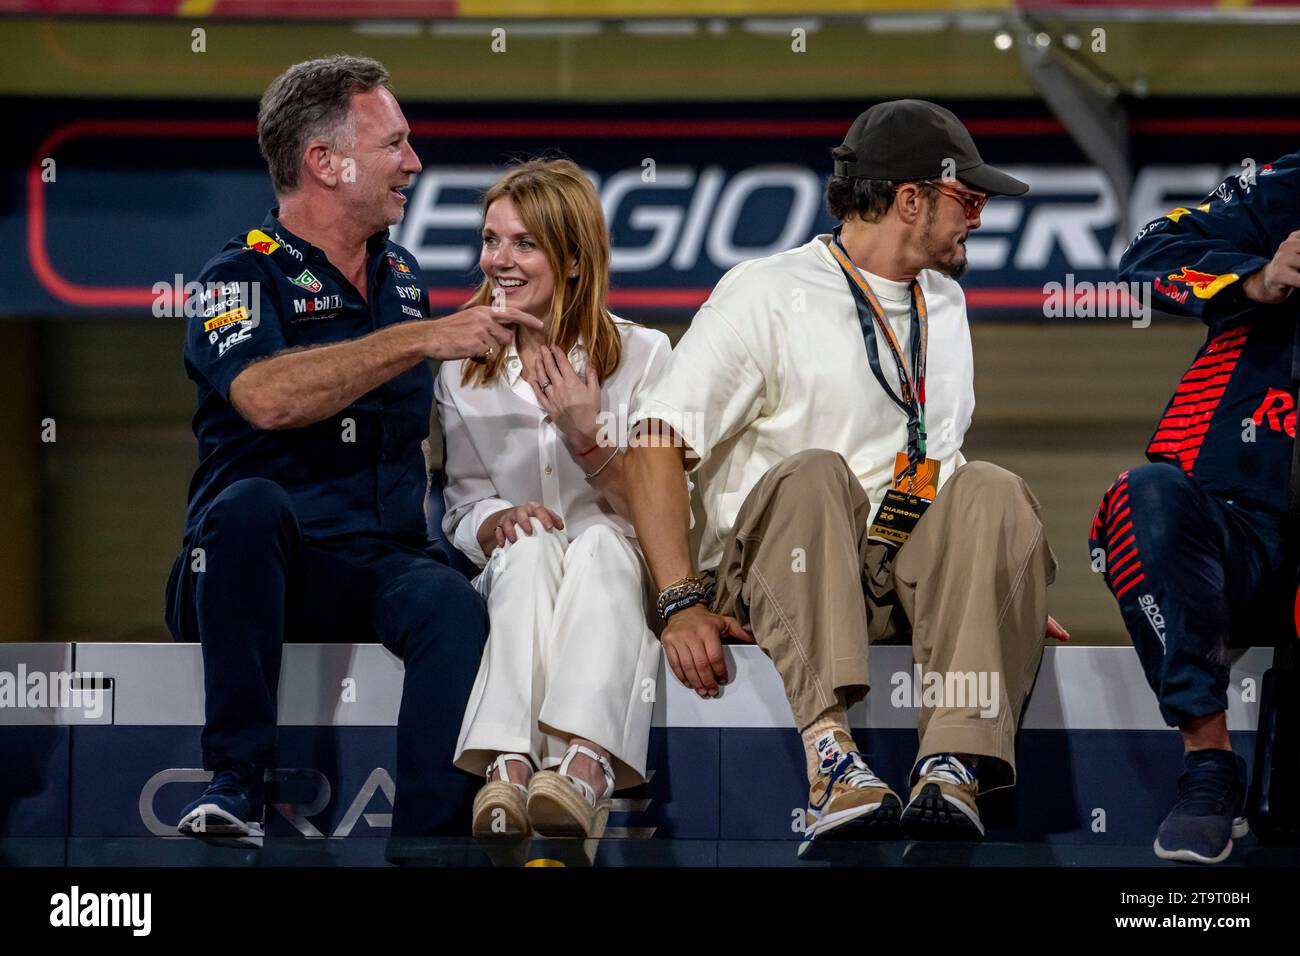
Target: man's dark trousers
(261,584)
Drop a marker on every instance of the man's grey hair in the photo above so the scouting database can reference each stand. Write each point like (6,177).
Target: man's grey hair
(309,101)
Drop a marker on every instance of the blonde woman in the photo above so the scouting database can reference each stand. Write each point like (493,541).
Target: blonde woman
(559,716)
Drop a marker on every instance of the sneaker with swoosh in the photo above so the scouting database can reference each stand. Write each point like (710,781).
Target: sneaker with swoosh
(847,801)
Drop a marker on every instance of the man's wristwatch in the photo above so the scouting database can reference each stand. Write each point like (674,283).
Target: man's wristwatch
(689,591)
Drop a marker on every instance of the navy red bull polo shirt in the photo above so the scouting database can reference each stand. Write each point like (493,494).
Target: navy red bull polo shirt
(358,472)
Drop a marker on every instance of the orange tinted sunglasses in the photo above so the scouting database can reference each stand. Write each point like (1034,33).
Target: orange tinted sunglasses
(971,202)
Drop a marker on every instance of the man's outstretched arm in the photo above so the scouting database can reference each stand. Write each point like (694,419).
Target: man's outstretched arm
(297,388)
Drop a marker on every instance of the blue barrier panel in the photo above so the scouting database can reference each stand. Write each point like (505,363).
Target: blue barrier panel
(1096,765)
(34,785)
(133,781)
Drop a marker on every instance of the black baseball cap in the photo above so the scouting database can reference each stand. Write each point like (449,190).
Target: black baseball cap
(911,139)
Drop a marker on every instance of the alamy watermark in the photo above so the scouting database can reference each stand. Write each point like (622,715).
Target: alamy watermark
(53,690)
(1099,300)
(956,689)
(77,908)
(190,300)
(615,431)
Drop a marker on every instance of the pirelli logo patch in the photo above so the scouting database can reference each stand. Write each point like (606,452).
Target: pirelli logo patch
(226,318)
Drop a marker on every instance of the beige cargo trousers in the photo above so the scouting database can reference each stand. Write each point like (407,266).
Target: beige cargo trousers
(970,585)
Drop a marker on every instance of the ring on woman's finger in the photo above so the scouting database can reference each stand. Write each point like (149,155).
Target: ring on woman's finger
(489,353)
(545,385)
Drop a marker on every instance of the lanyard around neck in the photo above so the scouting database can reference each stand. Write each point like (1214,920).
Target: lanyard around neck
(911,381)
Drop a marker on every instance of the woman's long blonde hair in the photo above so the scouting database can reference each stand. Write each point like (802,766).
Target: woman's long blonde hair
(559,207)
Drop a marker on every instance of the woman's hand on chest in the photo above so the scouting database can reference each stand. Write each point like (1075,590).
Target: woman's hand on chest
(571,401)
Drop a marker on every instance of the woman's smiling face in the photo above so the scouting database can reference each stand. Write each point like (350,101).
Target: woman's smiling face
(514,261)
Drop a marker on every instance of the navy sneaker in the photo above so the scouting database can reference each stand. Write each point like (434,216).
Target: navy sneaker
(1208,815)
(230,811)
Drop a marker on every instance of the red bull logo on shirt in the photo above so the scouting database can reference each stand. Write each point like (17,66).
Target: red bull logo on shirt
(260,241)
(1169,290)
(1175,214)
(1204,284)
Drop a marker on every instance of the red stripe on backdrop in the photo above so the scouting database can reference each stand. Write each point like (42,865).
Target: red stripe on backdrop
(666,298)
(129,296)
(695,127)
(243,9)
(46,274)
(1218,126)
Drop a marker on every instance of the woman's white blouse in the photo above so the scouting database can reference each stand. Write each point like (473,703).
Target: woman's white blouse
(501,448)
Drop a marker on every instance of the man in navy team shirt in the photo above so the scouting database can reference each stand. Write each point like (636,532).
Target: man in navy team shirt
(1192,543)
(305,517)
